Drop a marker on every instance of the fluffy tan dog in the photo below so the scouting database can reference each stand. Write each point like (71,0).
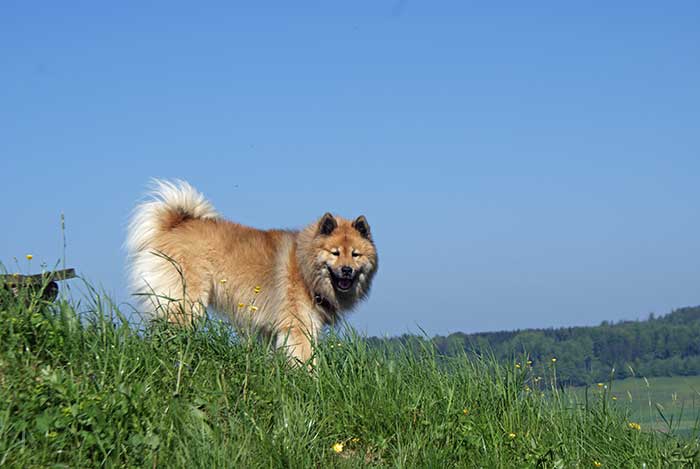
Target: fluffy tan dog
(184,258)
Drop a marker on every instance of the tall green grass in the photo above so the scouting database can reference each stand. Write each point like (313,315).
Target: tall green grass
(81,387)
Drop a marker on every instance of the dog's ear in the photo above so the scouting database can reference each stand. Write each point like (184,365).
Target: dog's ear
(327,224)
(362,227)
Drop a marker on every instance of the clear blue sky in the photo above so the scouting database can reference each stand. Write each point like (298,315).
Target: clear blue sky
(531,164)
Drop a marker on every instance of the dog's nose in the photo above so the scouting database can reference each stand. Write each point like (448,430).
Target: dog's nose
(346,270)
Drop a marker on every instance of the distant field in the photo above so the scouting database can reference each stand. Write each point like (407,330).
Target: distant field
(676,398)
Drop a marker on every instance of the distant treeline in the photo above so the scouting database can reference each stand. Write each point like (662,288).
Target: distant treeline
(658,346)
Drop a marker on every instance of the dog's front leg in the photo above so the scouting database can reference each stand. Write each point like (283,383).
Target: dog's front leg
(298,336)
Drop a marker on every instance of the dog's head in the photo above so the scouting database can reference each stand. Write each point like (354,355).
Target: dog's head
(338,259)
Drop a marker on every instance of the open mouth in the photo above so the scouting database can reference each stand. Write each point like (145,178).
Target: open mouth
(342,284)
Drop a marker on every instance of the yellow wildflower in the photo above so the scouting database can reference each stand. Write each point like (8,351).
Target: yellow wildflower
(465,411)
(512,435)
(600,385)
(241,305)
(597,463)
(529,362)
(554,359)
(253,308)
(338,447)
(614,398)
(634,426)
(257,289)
(517,365)
(222,281)
(355,440)
(29,257)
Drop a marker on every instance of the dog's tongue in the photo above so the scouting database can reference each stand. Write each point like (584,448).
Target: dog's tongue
(345,283)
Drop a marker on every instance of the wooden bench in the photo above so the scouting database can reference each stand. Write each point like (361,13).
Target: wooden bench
(44,283)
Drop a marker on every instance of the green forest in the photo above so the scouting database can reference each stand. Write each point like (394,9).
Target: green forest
(658,346)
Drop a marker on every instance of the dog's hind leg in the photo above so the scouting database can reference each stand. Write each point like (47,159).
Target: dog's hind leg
(182,312)
(172,294)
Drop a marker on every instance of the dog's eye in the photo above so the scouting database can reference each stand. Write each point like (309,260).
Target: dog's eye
(356,254)
(335,252)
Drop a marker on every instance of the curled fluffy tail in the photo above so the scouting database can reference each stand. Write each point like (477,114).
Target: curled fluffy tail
(169,203)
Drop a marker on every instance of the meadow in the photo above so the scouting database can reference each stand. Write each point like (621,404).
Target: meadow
(81,386)
(668,404)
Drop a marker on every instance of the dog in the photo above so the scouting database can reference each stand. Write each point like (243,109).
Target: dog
(184,258)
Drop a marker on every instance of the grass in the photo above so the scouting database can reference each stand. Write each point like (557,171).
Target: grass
(81,387)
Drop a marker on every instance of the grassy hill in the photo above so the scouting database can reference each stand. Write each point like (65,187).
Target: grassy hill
(81,387)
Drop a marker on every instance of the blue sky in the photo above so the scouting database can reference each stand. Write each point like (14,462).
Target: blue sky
(521,165)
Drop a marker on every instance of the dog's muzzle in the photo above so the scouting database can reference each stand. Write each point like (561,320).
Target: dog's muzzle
(344,281)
